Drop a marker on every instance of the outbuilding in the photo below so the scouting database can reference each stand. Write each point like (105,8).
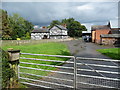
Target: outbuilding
(110,39)
(97,30)
(40,33)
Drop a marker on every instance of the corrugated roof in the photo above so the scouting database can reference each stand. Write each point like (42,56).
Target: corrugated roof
(39,30)
(110,35)
(96,27)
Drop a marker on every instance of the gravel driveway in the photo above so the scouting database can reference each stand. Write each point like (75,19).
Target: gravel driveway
(85,49)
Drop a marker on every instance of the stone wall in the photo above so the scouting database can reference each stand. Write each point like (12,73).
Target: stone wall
(108,41)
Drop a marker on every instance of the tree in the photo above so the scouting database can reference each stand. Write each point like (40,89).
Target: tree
(74,27)
(83,28)
(19,26)
(67,21)
(29,26)
(55,22)
(14,26)
(6,29)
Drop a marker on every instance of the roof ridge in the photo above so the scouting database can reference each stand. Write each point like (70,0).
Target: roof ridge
(100,25)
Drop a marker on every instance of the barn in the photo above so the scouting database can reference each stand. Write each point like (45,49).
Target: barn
(104,34)
(97,30)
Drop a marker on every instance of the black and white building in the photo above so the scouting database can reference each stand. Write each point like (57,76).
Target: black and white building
(55,32)
(40,33)
(58,32)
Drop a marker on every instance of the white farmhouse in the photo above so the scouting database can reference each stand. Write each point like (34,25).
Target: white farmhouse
(58,32)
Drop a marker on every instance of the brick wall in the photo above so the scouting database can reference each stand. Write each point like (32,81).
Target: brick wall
(98,33)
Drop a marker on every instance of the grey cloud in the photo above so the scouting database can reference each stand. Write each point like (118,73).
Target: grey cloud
(42,13)
(97,12)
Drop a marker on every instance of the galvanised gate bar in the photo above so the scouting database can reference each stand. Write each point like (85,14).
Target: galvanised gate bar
(77,73)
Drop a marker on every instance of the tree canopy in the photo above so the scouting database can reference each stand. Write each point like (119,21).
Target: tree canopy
(55,22)
(15,26)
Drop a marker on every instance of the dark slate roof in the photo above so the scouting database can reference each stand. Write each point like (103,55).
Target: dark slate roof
(96,27)
(39,30)
(61,27)
(111,35)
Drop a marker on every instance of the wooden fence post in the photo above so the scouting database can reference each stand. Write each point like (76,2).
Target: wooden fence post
(14,56)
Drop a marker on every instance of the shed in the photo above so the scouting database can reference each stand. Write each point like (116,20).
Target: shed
(110,39)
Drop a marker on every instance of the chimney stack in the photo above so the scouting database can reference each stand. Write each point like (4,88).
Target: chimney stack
(64,25)
(44,27)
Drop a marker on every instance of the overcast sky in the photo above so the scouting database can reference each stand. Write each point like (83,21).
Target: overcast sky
(87,13)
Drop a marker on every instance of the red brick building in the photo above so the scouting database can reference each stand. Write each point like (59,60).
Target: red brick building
(104,34)
(98,30)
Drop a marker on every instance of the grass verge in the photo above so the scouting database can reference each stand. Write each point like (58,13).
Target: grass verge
(111,52)
(51,48)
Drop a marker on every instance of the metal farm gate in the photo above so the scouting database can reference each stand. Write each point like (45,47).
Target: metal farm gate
(77,72)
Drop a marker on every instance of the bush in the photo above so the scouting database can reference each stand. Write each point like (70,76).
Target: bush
(7,72)
(27,35)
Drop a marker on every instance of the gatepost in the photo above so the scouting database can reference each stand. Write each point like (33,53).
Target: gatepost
(14,56)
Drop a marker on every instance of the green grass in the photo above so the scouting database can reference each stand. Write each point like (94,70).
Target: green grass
(112,52)
(51,48)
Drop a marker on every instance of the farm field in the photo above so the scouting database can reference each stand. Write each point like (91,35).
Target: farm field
(112,52)
(51,48)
